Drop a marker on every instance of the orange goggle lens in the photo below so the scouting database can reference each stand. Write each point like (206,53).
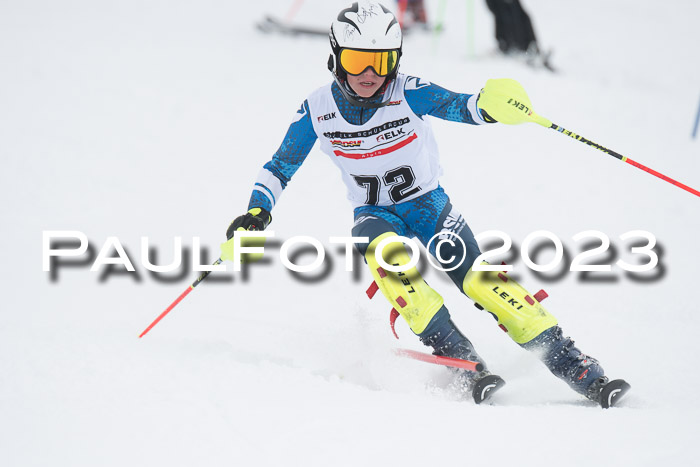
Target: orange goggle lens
(357,61)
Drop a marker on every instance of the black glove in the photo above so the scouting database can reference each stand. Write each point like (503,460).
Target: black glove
(488,118)
(254,219)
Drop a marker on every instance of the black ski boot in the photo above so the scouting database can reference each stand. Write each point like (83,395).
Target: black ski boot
(447,341)
(482,385)
(580,371)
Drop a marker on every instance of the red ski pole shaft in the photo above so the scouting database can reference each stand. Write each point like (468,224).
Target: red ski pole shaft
(439,360)
(179,299)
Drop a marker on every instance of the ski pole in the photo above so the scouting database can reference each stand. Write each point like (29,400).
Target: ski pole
(548,124)
(506,101)
(180,298)
(440,360)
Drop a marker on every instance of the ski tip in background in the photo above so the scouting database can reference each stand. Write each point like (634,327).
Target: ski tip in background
(267,24)
(540,59)
(272,25)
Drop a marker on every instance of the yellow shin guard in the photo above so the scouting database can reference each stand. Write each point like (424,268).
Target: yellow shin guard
(409,294)
(518,313)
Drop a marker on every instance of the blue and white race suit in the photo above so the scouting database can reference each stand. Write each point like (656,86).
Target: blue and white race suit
(388,158)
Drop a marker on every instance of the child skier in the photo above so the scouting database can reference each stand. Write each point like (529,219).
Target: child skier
(371,120)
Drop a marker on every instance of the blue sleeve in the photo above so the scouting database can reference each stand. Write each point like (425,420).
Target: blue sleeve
(275,175)
(426,98)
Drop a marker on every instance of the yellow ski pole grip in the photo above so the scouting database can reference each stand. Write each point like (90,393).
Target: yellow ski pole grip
(506,101)
(540,120)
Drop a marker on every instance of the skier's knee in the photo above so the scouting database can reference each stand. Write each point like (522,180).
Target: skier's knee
(408,293)
(515,309)
(371,227)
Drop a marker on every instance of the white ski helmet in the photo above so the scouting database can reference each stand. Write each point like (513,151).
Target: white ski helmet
(365,26)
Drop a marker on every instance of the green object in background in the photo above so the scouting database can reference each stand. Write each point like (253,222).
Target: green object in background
(470,28)
(439,25)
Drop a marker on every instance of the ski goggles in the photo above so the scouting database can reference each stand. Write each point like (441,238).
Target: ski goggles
(355,62)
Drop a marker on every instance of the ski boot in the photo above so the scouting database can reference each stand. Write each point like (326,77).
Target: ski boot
(581,372)
(482,385)
(607,393)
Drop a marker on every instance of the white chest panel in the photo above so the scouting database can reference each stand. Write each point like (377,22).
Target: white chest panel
(391,158)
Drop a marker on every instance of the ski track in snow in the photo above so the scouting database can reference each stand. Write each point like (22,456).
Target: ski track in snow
(129,119)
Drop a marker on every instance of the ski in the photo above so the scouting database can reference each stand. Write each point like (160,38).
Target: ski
(273,25)
(612,392)
(485,388)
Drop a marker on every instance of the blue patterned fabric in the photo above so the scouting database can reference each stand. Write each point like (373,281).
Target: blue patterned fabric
(296,145)
(415,218)
(352,114)
(431,99)
(259,200)
(421,217)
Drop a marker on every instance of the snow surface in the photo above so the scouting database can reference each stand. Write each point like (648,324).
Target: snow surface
(134,119)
